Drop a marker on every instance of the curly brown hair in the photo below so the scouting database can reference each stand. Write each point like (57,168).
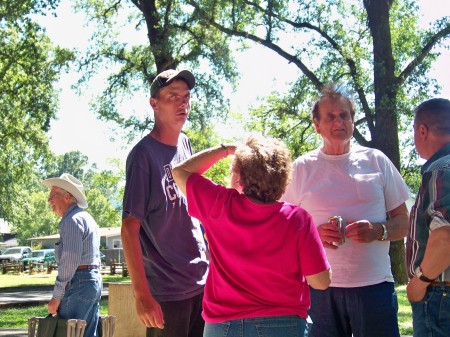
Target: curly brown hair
(264,166)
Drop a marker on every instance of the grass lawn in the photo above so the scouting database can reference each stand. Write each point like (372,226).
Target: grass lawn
(43,279)
(25,279)
(404,312)
(18,317)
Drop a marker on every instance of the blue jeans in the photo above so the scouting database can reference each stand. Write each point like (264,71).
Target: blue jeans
(181,319)
(369,311)
(276,326)
(431,316)
(81,299)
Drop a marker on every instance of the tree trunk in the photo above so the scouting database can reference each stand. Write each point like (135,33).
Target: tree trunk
(158,35)
(385,135)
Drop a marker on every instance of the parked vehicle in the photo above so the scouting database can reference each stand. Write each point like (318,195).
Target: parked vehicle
(40,256)
(15,254)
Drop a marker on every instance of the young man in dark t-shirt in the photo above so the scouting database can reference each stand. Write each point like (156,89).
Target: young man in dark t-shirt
(163,245)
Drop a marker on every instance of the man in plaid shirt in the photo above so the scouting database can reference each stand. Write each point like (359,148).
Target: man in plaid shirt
(428,241)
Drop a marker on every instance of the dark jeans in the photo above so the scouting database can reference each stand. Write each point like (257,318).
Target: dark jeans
(276,326)
(363,311)
(431,316)
(181,319)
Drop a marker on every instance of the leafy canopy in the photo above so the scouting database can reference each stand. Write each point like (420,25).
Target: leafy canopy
(29,67)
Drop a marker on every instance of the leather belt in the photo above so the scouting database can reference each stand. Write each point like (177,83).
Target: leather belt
(87,266)
(438,283)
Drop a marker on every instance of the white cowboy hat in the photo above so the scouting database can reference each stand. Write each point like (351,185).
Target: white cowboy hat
(70,184)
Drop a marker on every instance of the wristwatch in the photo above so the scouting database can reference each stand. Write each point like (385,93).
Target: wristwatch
(385,232)
(421,276)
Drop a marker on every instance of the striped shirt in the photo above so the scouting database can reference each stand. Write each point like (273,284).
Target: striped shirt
(79,244)
(431,209)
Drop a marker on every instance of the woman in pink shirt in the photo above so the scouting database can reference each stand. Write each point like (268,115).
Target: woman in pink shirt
(264,253)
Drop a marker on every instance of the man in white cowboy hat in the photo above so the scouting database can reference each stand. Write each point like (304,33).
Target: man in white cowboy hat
(78,285)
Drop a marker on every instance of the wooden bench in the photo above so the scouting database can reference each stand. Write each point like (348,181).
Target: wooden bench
(36,266)
(115,267)
(11,266)
(42,267)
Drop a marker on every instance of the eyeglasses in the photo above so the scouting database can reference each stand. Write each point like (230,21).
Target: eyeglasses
(53,195)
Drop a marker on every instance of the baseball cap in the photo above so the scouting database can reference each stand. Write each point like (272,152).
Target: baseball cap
(166,77)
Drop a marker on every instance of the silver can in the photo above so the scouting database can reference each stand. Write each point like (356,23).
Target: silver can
(337,220)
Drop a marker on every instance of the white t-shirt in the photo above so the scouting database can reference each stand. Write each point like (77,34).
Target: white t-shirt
(360,185)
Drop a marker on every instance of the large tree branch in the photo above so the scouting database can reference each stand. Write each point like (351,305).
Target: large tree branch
(138,4)
(112,9)
(158,28)
(358,136)
(349,61)
(433,40)
(267,43)
(292,58)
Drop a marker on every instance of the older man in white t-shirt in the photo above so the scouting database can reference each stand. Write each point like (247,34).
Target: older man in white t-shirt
(364,188)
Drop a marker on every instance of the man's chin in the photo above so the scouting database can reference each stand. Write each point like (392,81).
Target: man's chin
(182,118)
(341,137)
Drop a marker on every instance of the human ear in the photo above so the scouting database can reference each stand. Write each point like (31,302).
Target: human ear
(153,103)
(316,125)
(423,130)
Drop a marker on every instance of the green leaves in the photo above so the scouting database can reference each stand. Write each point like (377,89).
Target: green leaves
(103,190)
(18,9)
(29,68)
(175,40)
(102,210)
(38,220)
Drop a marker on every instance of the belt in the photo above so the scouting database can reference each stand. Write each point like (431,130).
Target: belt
(87,266)
(438,283)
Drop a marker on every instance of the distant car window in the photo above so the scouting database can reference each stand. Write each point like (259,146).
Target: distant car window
(37,254)
(12,251)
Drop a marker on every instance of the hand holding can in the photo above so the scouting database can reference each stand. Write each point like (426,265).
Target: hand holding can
(339,223)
